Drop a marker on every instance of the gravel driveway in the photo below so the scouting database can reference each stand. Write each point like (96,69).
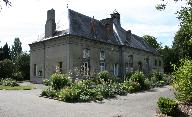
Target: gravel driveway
(29,104)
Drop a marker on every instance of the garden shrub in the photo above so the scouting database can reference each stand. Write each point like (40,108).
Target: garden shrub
(59,81)
(18,76)
(9,82)
(131,86)
(183,80)
(128,75)
(49,92)
(47,82)
(167,106)
(137,77)
(68,95)
(106,76)
(6,68)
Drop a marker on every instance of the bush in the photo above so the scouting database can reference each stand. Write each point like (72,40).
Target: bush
(59,81)
(131,86)
(49,92)
(68,95)
(18,76)
(9,82)
(47,82)
(183,80)
(167,106)
(6,68)
(106,76)
(138,77)
(128,75)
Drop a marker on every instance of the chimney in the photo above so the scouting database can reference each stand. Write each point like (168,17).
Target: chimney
(116,17)
(50,25)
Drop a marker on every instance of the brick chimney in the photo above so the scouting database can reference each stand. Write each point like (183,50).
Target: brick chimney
(116,17)
(50,25)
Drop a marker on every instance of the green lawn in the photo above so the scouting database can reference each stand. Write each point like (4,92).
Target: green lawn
(15,87)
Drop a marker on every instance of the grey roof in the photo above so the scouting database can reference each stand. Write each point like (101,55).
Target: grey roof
(81,25)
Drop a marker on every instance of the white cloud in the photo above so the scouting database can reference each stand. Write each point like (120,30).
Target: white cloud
(26,18)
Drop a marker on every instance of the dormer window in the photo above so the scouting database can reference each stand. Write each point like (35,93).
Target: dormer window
(86,53)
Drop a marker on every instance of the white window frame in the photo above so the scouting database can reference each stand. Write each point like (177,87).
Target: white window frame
(102,66)
(102,55)
(86,53)
(116,69)
(86,68)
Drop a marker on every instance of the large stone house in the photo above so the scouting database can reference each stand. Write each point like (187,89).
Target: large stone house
(89,46)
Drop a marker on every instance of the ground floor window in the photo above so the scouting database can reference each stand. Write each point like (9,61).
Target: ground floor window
(116,69)
(102,66)
(35,70)
(86,68)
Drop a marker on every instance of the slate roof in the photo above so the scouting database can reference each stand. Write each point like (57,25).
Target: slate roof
(81,25)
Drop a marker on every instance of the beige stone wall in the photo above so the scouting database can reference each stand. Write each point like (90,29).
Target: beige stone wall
(77,45)
(47,55)
(69,51)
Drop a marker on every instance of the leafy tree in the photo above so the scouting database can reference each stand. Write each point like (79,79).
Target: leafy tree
(7,2)
(170,56)
(1,54)
(6,52)
(22,64)
(152,41)
(6,68)
(16,49)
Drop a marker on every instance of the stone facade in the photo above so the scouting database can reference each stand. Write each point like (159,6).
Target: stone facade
(82,56)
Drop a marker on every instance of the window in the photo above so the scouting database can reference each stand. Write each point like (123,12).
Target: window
(155,62)
(102,55)
(126,67)
(86,53)
(102,66)
(34,70)
(60,66)
(116,69)
(159,63)
(86,68)
(130,58)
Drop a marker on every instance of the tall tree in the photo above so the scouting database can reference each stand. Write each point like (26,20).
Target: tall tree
(6,52)
(16,49)
(152,41)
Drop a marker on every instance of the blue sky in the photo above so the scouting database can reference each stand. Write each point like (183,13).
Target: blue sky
(26,19)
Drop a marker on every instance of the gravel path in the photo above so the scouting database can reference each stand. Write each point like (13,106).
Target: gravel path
(29,104)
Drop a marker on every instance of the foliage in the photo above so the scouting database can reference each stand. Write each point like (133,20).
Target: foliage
(152,41)
(106,76)
(49,92)
(59,81)
(16,49)
(183,80)
(167,106)
(138,77)
(8,82)
(128,75)
(170,56)
(5,52)
(22,63)
(6,68)
(131,86)
(47,82)
(18,76)
(94,89)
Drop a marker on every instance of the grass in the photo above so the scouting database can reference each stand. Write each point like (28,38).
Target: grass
(15,87)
